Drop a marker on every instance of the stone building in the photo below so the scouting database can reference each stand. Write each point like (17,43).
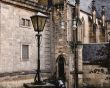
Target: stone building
(18,45)
(63,17)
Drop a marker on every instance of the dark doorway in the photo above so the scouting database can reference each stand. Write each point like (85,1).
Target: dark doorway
(61,63)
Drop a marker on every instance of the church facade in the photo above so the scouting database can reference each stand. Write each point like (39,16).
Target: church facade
(18,45)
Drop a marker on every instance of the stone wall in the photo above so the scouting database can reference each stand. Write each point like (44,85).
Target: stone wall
(96,75)
(13,35)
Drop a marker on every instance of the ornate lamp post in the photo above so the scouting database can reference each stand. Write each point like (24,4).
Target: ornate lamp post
(38,22)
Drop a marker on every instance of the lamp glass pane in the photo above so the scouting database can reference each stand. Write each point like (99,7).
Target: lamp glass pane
(34,20)
(41,23)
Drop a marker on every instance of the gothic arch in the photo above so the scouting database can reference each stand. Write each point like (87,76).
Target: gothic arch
(92,30)
(61,67)
(83,28)
(59,57)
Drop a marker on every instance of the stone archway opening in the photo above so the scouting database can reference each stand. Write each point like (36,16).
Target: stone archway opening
(61,67)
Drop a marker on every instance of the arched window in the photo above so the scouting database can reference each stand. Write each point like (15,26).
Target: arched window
(102,34)
(80,29)
(83,29)
(92,31)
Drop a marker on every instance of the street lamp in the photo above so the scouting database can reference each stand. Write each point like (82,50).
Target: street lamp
(75,41)
(38,22)
(74,24)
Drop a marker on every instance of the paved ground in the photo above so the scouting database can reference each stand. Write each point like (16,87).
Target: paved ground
(15,82)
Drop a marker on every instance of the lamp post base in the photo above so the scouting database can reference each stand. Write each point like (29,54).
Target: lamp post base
(38,85)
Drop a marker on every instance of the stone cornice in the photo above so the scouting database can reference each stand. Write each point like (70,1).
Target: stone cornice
(27,4)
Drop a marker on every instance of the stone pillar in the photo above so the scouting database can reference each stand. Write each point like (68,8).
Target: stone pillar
(80,65)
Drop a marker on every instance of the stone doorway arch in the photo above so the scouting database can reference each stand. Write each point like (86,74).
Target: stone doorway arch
(61,67)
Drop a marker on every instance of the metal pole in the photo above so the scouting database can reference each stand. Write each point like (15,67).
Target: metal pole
(76,84)
(75,42)
(38,60)
(76,61)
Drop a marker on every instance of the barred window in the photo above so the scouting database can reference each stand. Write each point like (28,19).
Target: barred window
(25,52)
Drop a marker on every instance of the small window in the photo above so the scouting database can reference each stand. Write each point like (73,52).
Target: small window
(25,22)
(28,22)
(25,52)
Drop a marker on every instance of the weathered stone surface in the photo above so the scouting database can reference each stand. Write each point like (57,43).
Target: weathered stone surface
(54,40)
(32,5)
(30,85)
(13,35)
(96,75)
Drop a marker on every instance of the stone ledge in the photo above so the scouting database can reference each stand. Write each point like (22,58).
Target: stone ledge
(79,72)
(30,5)
(22,73)
(30,85)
